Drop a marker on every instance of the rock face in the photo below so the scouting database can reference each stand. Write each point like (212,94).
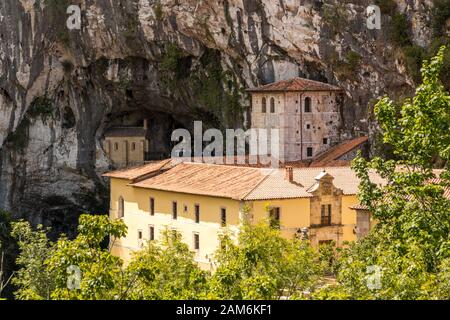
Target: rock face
(172,60)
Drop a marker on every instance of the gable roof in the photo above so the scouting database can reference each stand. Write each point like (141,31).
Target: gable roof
(246,183)
(207,179)
(295,84)
(276,187)
(331,157)
(140,172)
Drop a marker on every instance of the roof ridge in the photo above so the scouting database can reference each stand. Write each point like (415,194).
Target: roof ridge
(258,184)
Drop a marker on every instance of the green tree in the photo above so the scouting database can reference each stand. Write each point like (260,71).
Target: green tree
(33,280)
(410,243)
(101,272)
(262,264)
(166,270)
(45,266)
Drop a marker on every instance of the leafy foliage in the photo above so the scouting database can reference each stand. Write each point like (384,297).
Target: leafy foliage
(166,271)
(411,240)
(263,265)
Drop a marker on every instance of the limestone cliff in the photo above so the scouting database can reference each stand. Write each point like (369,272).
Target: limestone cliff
(170,60)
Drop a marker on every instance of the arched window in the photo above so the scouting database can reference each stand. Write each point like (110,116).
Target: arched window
(308,104)
(272,105)
(116,146)
(133,146)
(121,208)
(264,105)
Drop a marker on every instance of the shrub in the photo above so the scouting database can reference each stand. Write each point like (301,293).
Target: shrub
(440,15)
(399,30)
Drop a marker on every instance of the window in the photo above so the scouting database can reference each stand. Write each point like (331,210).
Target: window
(174,211)
(325,140)
(264,105)
(274,216)
(325,218)
(325,242)
(151,233)
(133,146)
(272,105)
(196,241)
(197,213)
(223,217)
(152,206)
(308,104)
(140,242)
(309,152)
(121,208)
(308,126)
(116,146)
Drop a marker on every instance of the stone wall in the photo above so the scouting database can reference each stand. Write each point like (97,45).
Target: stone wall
(325,193)
(300,130)
(126,151)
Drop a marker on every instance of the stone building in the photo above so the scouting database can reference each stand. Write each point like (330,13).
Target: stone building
(306,112)
(127,146)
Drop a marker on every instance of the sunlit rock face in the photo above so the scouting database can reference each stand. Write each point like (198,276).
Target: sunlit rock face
(176,60)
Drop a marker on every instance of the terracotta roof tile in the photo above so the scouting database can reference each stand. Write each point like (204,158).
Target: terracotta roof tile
(138,172)
(330,157)
(245,183)
(276,187)
(207,179)
(296,84)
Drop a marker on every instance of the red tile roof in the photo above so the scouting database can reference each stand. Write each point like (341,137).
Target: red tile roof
(207,179)
(296,84)
(245,183)
(331,157)
(140,172)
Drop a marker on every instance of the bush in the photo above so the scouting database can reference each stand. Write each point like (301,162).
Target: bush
(414,56)
(440,15)
(399,30)
(159,13)
(41,106)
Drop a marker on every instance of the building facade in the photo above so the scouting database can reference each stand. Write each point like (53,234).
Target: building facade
(127,146)
(307,113)
(202,201)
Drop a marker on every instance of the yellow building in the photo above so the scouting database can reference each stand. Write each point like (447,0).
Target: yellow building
(203,200)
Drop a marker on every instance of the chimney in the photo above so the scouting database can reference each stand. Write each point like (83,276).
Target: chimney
(289,174)
(145,124)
